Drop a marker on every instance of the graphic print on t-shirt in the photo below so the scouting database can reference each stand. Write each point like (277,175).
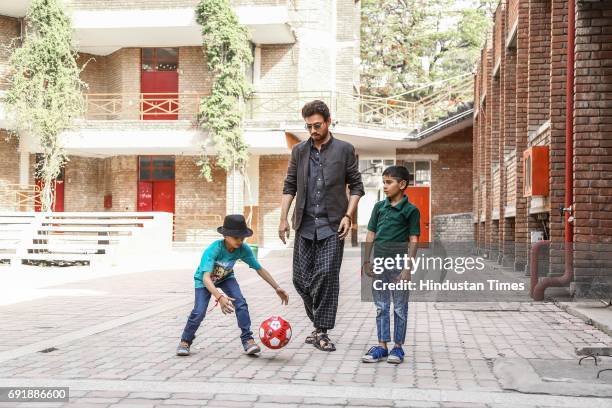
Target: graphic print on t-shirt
(222,270)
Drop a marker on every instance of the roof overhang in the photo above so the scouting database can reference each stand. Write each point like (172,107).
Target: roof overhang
(377,143)
(102,32)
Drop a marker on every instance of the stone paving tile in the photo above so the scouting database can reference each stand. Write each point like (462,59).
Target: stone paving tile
(445,349)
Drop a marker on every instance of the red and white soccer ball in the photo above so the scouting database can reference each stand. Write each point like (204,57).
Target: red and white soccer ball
(275,332)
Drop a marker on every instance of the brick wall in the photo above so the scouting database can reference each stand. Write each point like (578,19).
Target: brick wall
(593,142)
(508,138)
(117,73)
(521,230)
(121,180)
(9,159)
(557,127)
(451,174)
(199,204)
(489,142)
(539,64)
(274,169)
(532,93)
(453,227)
(83,180)
(194,77)
(495,105)
(95,72)
(278,68)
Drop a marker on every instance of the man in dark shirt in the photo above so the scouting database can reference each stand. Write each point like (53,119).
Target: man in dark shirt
(319,171)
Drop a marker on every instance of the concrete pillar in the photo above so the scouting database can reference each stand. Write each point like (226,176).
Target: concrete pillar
(251,198)
(24,167)
(234,203)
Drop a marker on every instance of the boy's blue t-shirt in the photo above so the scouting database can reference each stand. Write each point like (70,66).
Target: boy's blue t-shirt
(220,262)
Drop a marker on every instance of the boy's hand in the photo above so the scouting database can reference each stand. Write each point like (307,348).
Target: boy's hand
(367,269)
(404,275)
(227,307)
(282,295)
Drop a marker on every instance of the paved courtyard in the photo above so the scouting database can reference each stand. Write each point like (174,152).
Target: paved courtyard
(112,340)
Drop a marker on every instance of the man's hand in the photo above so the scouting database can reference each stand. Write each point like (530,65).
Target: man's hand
(227,307)
(282,295)
(283,230)
(345,227)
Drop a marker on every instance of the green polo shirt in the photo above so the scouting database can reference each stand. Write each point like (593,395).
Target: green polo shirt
(394,223)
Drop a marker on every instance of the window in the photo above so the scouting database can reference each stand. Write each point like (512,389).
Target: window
(420,173)
(153,168)
(375,166)
(159,59)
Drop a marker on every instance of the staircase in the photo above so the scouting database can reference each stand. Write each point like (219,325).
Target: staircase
(87,238)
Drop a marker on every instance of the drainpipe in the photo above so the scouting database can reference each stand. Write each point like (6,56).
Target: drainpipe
(566,278)
(534,253)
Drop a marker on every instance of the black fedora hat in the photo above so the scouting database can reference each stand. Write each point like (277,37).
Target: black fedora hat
(234,225)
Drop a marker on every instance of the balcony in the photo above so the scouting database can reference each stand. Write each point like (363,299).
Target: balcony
(274,108)
(102,29)
(142,106)
(102,32)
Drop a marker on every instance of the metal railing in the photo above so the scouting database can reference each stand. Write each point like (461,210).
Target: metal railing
(364,110)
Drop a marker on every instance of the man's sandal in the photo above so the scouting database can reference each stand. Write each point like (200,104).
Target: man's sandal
(310,339)
(323,343)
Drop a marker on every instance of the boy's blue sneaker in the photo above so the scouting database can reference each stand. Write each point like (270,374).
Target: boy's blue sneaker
(375,354)
(396,356)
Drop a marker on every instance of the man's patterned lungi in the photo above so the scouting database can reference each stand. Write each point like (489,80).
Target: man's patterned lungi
(316,277)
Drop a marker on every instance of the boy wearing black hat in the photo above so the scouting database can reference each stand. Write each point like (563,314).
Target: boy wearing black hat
(216,270)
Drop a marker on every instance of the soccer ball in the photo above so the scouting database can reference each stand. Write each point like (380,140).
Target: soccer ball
(275,332)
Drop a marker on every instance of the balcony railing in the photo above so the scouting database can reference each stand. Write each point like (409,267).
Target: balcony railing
(118,106)
(361,110)
(16,197)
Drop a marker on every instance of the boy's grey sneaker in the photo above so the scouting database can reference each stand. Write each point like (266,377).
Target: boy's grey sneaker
(183,349)
(251,349)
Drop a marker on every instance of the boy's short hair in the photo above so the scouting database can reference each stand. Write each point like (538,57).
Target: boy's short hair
(316,107)
(398,172)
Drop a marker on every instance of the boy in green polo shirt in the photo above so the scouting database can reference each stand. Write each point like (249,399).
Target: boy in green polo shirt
(394,225)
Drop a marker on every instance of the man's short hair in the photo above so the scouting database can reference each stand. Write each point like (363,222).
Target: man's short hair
(398,172)
(316,107)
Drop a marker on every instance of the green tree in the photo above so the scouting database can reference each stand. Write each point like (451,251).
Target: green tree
(45,91)
(228,52)
(408,43)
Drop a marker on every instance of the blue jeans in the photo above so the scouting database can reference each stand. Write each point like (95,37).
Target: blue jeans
(202,297)
(382,300)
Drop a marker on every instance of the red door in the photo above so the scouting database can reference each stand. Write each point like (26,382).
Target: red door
(163,196)
(145,196)
(156,184)
(159,84)
(419,196)
(58,199)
